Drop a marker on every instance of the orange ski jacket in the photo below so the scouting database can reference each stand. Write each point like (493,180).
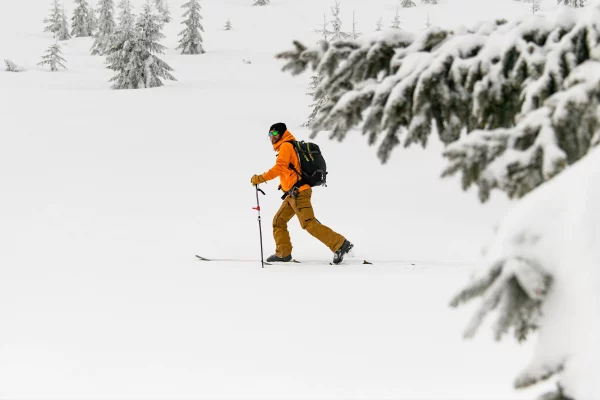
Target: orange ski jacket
(287,154)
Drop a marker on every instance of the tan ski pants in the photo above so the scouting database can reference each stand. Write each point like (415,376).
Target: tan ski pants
(302,208)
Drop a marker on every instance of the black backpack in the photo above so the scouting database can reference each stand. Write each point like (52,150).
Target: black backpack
(313,169)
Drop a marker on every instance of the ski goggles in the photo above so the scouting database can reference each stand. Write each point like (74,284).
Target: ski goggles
(273,133)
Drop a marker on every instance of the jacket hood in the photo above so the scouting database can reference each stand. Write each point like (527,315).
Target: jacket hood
(287,136)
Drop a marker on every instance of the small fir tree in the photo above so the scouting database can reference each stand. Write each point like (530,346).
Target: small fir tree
(336,23)
(228,26)
(53,20)
(428,22)
(126,17)
(396,21)
(323,29)
(81,20)
(12,67)
(163,10)
(355,34)
(53,58)
(191,38)
(63,27)
(573,3)
(535,6)
(106,28)
(261,2)
(407,3)
(92,19)
(379,25)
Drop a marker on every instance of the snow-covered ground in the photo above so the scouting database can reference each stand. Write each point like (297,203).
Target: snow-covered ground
(107,195)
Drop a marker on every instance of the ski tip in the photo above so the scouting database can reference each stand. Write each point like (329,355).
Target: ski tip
(366,262)
(201,258)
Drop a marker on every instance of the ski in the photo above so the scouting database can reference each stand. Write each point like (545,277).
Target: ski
(294,261)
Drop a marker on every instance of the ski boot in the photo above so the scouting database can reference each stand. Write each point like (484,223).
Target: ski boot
(276,258)
(338,256)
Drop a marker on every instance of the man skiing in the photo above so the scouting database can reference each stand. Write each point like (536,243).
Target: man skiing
(296,202)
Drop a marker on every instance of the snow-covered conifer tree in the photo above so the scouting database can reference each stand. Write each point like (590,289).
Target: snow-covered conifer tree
(379,25)
(573,3)
(323,29)
(81,20)
(106,28)
(126,17)
(191,38)
(535,6)
(53,20)
(512,116)
(336,23)
(228,26)
(429,1)
(407,3)
(428,22)
(53,58)
(12,67)
(132,54)
(92,19)
(162,6)
(396,21)
(63,26)
(355,34)
(261,2)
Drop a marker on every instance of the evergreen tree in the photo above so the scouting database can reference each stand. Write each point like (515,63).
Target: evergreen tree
(379,26)
(191,38)
(323,30)
(132,54)
(126,17)
(92,19)
(106,28)
(396,21)
(53,20)
(535,6)
(261,2)
(315,80)
(163,9)
(407,3)
(53,58)
(355,34)
(81,20)
(428,22)
(573,3)
(228,26)
(336,24)
(429,1)
(512,117)
(63,26)
(12,67)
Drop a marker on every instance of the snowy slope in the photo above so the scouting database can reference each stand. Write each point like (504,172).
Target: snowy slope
(107,195)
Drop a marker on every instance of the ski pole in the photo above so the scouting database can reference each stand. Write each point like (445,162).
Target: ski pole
(257,208)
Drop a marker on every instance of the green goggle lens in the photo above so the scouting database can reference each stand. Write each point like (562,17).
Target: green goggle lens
(273,133)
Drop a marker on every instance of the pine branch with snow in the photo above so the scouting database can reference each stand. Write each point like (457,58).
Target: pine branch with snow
(541,274)
(510,95)
(191,38)
(106,28)
(53,58)
(80,22)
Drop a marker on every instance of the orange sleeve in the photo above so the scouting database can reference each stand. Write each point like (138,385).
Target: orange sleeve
(283,162)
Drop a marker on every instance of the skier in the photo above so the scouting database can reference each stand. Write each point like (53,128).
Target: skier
(296,201)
